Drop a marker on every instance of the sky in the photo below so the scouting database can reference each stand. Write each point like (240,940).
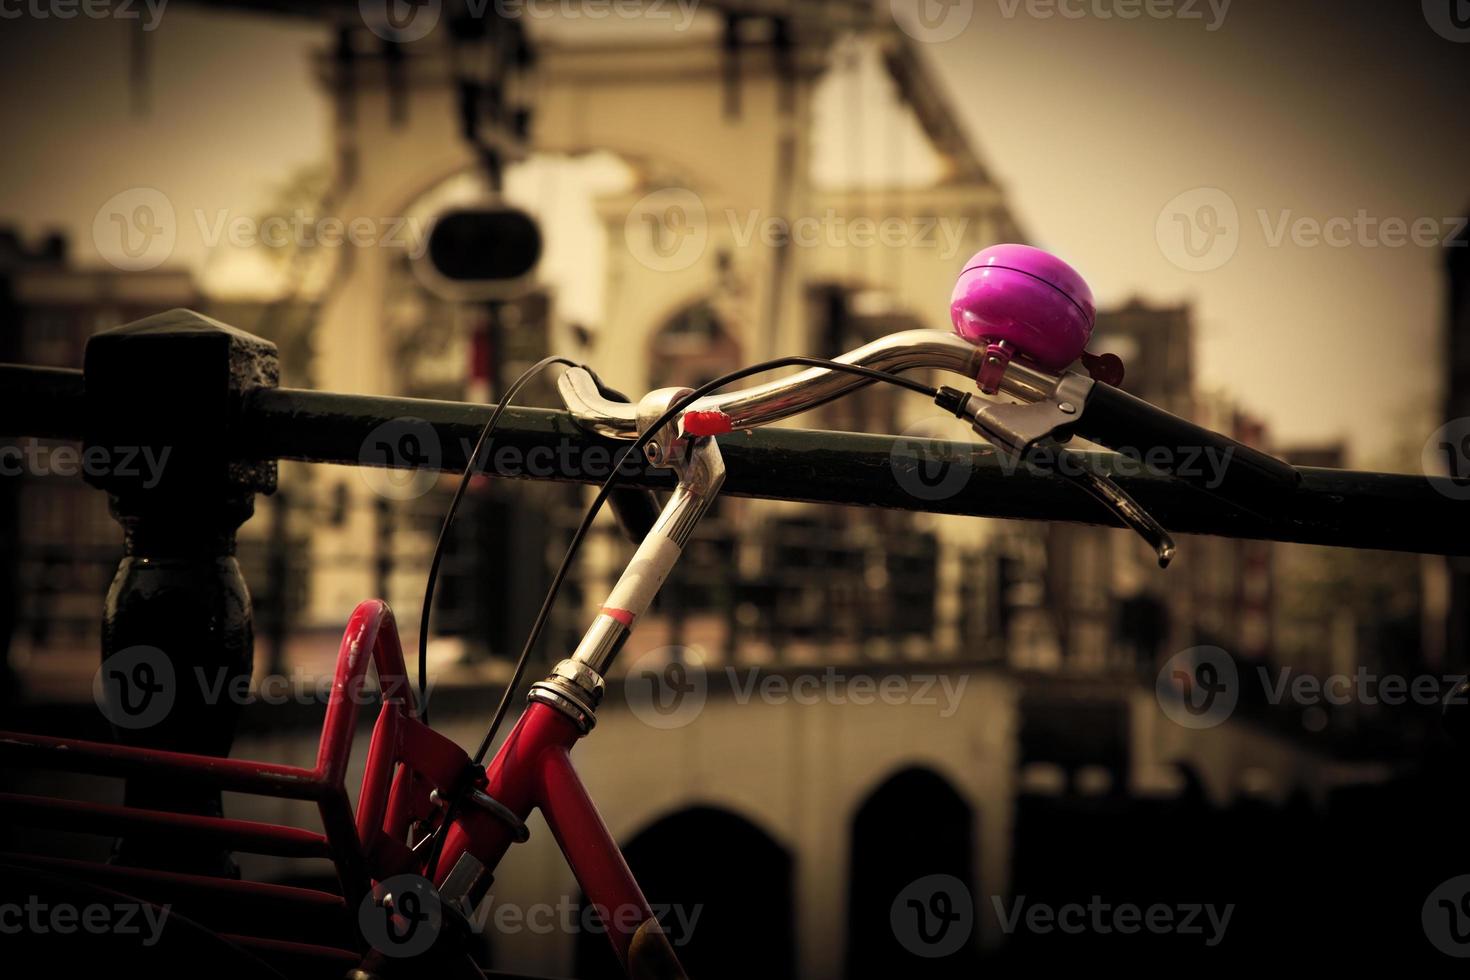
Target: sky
(1287,168)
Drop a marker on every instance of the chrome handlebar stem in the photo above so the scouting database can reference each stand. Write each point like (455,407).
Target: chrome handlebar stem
(576,685)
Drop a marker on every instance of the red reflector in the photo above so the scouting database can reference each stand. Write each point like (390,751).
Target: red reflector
(706,423)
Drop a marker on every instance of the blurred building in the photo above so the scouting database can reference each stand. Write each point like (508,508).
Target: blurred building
(1456,638)
(67,545)
(1315,632)
(1114,610)
(705,268)
(1103,615)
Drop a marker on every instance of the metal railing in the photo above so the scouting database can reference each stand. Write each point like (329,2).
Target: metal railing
(1343,508)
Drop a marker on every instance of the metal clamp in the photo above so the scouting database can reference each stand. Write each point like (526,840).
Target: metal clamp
(1015,428)
(473,794)
(489,803)
(467,883)
(666,446)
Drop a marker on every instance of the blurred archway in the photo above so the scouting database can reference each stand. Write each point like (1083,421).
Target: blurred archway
(722,889)
(913,827)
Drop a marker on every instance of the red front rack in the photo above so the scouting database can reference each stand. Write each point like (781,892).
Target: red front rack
(295,929)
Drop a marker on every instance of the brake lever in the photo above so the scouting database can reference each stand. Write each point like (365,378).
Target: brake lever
(1015,428)
(1117,500)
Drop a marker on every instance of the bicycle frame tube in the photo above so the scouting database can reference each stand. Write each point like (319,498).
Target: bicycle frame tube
(533,771)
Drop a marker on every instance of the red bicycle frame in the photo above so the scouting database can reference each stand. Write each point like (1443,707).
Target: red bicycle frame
(533,769)
(254,914)
(411,776)
(406,762)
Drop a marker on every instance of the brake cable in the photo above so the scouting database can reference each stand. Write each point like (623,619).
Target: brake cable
(637,446)
(464,482)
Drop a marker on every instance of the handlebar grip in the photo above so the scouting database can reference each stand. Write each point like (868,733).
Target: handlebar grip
(1213,462)
(636,510)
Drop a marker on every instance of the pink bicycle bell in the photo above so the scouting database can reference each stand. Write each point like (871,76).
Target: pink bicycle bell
(1015,299)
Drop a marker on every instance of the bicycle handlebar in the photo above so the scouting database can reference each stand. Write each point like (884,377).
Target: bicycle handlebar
(750,408)
(1020,317)
(775,400)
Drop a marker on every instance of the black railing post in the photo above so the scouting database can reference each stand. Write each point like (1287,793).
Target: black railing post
(163,409)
